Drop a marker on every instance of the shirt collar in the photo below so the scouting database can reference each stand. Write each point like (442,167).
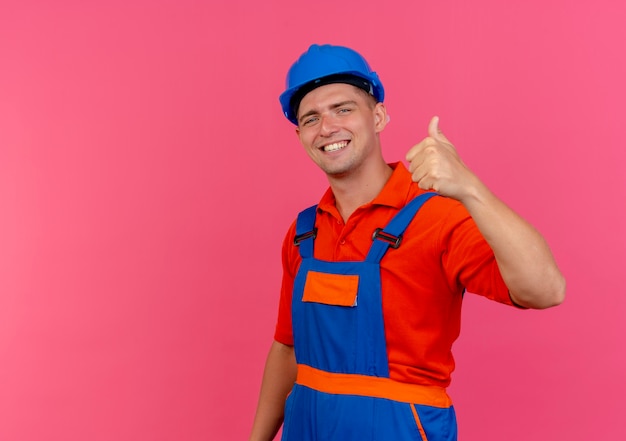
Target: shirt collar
(394,194)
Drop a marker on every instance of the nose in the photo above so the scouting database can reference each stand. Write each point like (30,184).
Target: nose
(328,125)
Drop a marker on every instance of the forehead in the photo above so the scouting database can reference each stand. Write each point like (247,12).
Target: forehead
(330,94)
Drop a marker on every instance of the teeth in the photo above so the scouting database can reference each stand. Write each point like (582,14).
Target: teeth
(335,146)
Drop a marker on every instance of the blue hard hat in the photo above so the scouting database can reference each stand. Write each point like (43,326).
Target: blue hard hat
(324,64)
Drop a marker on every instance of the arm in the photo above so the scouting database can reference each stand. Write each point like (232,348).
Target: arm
(523,256)
(278,379)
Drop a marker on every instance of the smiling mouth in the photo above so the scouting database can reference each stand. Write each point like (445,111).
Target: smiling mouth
(335,146)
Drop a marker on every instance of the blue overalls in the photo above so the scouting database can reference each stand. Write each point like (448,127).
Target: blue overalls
(343,391)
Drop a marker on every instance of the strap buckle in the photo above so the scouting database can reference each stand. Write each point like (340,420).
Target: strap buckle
(394,241)
(304,236)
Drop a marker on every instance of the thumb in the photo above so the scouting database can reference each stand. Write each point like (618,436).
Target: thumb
(433,128)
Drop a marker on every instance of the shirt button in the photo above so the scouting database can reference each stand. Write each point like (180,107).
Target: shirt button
(343,242)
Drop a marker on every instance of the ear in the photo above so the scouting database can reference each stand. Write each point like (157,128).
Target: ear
(380,117)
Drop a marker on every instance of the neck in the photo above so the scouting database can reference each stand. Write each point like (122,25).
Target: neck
(359,188)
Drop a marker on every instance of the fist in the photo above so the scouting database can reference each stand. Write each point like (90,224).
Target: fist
(435,165)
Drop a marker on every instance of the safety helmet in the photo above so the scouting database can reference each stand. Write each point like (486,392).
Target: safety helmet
(325,64)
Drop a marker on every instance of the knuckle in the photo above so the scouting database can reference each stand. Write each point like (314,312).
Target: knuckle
(431,149)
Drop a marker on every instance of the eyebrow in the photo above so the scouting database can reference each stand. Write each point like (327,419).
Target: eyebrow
(333,106)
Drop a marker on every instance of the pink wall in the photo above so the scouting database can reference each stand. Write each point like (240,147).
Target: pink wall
(147,178)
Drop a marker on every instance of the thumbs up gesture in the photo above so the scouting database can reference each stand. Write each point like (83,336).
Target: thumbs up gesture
(436,165)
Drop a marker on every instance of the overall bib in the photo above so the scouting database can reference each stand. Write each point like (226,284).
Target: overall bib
(343,391)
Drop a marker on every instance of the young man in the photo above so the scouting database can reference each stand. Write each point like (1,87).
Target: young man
(374,274)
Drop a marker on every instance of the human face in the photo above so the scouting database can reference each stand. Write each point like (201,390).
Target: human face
(338,126)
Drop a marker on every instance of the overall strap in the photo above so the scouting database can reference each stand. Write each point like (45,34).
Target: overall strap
(391,235)
(306,231)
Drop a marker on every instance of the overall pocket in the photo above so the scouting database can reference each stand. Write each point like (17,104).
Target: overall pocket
(331,289)
(435,423)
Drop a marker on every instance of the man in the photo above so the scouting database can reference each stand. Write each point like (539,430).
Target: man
(374,274)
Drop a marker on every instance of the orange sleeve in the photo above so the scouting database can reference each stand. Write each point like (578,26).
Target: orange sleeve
(468,259)
(291,260)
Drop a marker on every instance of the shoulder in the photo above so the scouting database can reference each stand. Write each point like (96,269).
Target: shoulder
(442,222)
(290,254)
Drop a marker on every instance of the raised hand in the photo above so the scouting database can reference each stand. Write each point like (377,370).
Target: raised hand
(436,165)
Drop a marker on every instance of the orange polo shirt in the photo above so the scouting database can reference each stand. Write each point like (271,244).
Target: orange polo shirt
(441,255)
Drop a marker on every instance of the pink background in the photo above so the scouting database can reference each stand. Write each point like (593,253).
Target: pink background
(147,178)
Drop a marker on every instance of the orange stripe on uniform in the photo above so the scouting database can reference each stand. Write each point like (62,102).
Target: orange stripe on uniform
(419,423)
(367,386)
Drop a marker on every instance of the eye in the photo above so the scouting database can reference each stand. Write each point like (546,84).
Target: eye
(310,121)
